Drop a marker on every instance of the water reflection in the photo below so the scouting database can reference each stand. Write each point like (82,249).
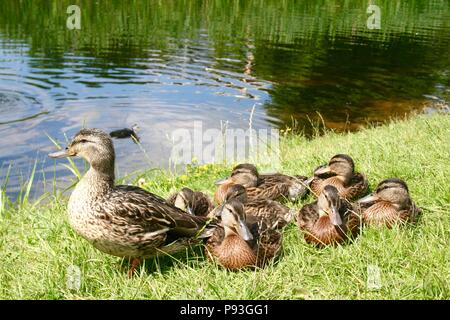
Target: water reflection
(164,65)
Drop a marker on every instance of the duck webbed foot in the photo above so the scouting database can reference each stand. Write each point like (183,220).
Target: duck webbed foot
(135,262)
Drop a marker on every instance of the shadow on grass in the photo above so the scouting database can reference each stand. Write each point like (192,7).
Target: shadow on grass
(164,264)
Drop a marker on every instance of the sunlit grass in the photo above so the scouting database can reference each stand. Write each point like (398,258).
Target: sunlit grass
(37,244)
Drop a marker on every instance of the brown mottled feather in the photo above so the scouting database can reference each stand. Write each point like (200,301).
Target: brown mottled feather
(273,213)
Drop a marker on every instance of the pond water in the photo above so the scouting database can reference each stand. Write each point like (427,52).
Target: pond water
(165,64)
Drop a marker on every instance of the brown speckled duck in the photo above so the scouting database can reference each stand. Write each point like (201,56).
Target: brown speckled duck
(262,186)
(124,221)
(193,202)
(329,220)
(273,213)
(390,204)
(239,243)
(340,173)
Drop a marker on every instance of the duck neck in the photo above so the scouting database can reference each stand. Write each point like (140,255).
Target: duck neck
(229,232)
(98,180)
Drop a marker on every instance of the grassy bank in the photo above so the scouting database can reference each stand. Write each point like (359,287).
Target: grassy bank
(37,245)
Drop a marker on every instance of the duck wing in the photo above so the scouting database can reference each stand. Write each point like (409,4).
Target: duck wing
(271,178)
(268,191)
(269,246)
(278,177)
(352,217)
(267,241)
(146,211)
(414,212)
(272,212)
(316,186)
(410,214)
(307,216)
(357,186)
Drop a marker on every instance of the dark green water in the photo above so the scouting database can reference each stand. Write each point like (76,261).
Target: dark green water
(165,64)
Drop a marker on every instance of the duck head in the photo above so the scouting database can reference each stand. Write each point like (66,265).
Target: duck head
(184,200)
(329,203)
(233,220)
(244,174)
(341,166)
(237,192)
(393,190)
(95,146)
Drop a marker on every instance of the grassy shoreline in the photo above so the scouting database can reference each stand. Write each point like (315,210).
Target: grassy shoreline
(37,246)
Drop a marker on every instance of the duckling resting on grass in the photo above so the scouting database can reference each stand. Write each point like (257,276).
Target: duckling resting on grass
(340,173)
(193,202)
(264,186)
(329,220)
(390,204)
(239,243)
(272,213)
(124,221)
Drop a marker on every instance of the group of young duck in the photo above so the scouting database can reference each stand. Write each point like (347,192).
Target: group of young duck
(241,226)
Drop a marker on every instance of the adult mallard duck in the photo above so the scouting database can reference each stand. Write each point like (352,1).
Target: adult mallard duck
(329,220)
(239,243)
(124,221)
(273,213)
(193,202)
(390,204)
(340,173)
(262,186)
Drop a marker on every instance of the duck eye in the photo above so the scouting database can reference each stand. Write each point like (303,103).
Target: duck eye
(83,141)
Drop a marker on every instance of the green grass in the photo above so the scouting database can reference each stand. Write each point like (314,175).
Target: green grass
(38,246)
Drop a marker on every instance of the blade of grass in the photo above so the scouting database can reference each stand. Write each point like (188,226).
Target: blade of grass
(29,184)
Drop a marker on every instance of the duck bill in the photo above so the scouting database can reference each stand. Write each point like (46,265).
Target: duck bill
(244,232)
(222,181)
(322,170)
(60,154)
(335,217)
(371,198)
(308,181)
(218,211)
